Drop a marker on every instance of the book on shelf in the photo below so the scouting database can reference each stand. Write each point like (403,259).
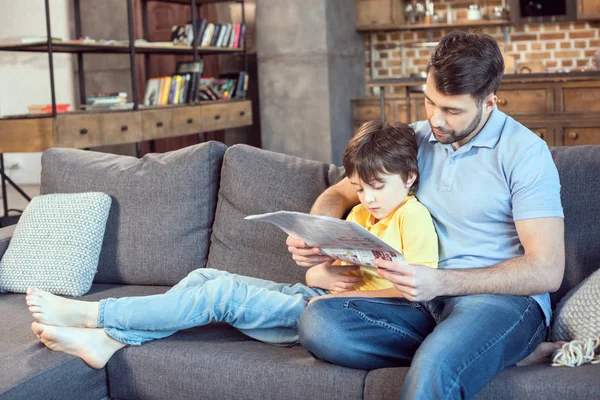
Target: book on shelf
(106,100)
(188,86)
(209,34)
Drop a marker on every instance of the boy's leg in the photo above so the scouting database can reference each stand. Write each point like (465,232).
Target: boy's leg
(202,275)
(134,320)
(476,338)
(364,333)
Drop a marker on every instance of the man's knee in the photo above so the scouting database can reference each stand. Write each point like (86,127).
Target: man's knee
(319,329)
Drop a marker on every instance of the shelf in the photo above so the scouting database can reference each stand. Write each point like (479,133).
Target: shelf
(68,47)
(198,2)
(88,129)
(417,27)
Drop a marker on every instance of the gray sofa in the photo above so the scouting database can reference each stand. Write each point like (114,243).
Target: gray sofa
(179,211)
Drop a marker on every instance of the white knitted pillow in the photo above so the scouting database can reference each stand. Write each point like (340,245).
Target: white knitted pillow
(56,244)
(577,315)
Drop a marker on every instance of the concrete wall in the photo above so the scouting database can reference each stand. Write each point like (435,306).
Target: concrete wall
(310,63)
(24,77)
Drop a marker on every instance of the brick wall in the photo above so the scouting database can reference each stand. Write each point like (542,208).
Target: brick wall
(567,46)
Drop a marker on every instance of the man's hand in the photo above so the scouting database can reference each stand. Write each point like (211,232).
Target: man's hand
(332,277)
(415,282)
(303,255)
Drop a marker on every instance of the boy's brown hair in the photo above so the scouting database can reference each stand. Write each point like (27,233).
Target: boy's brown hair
(382,148)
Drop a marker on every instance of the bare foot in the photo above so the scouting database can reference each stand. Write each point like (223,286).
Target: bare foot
(542,353)
(59,311)
(93,346)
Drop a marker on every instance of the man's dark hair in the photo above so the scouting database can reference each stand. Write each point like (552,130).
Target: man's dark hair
(382,148)
(467,63)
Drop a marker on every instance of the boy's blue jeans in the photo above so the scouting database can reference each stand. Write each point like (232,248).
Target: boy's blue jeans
(455,345)
(261,309)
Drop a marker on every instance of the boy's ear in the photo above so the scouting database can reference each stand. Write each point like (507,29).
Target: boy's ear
(411,179)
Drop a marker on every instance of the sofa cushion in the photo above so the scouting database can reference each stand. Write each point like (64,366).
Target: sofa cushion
(255,181)
(159,225)
(537,382)
(218,362)
(578,168)
(56,244)
(577,316)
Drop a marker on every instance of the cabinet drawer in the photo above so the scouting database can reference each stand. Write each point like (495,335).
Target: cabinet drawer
(525,101)
(187,120)
(214,117)
(240,114)
(156,124)
(581,136)
(581,99)
(100,129)
(367,110)
(371,13)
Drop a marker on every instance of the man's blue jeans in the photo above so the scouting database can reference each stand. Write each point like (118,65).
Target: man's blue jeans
(455,345)
(261,309)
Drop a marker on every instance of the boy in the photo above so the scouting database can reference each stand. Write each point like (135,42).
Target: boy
(381,161)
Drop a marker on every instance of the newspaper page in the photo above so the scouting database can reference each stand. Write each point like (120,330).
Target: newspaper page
(337,238)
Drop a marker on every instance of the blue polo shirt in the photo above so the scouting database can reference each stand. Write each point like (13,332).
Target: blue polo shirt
(476,193)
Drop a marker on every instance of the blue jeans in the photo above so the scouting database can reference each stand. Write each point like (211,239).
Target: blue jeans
(261,309)
(455,345)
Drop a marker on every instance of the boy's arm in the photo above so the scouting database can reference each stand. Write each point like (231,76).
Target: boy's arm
(333,277)
(333,202)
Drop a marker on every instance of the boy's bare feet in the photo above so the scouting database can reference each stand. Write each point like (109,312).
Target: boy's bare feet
(93,346)
(59,311)
(542,354)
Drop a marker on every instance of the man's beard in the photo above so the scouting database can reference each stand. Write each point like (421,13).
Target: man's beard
(454,137)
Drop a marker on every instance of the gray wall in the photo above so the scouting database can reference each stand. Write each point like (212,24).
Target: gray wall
(311,63)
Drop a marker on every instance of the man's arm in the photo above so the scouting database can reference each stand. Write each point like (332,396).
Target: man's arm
(336,200)
(380,293)
(333,202)
(539,270)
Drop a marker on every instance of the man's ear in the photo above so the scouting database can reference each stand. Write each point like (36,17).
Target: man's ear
(489,103)
(411,179)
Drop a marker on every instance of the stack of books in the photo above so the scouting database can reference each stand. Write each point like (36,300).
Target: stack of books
(210,35)
(188,85)
(106,100)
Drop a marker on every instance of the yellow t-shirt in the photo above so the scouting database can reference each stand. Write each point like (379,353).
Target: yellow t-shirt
(409,229)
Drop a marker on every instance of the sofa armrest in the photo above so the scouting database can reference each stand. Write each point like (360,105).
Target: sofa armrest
(6,234)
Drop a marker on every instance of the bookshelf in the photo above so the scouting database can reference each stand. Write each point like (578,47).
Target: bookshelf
(93,128)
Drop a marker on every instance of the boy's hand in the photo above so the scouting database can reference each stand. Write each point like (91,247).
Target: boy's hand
(415,282)
(303,255)
(331,277)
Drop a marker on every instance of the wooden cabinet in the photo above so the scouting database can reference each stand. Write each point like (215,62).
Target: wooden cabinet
(93,130)
(563,111)
(588,9)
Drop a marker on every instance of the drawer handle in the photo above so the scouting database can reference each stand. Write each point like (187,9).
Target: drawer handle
(502,102)
(83,131)
(217,116)
(159,124)
(242,113)
(190,120)
(540,134)
(573,135)
(124,128)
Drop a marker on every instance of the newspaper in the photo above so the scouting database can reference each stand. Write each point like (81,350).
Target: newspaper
(339,239)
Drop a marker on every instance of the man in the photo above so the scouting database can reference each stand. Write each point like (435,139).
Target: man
(494,195)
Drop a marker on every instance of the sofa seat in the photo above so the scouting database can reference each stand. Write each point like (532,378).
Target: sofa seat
(30,371)
(536,382)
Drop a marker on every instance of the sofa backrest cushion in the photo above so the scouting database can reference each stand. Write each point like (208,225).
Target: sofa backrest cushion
(579,167)
(163,206)
(255,181)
